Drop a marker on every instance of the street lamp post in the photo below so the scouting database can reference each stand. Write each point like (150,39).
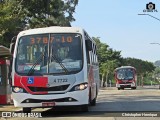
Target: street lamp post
(153,43)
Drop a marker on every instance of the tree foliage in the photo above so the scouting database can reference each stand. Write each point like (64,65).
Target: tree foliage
(108,59)
(141,65)
(10,22)
(42,13)
(105,53)
(17,15)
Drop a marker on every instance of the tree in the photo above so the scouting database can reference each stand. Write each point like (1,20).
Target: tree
(10,22)
(43,13)
(17,15)
(108,59)
(156,75)
(106,69)
(141,65)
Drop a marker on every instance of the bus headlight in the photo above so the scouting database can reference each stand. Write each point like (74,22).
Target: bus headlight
(17,90)
(81,86)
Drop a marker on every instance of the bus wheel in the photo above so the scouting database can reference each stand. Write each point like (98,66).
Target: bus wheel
(84,108)
(133,88)
(26,110)
(119,88)
(93,102)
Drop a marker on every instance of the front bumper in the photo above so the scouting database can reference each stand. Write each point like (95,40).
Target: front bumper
(66,99)
(125,85)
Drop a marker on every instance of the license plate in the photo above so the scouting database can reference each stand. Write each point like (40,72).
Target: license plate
(48,104)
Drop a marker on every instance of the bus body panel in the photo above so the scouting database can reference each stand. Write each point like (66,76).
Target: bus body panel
(77,95)
(46,95)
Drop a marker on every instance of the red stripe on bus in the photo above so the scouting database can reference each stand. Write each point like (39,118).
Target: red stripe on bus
(3,99)
(17,79)
(38,81)
(2,62)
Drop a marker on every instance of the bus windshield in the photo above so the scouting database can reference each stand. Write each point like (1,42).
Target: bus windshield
(125,74)
(49,54)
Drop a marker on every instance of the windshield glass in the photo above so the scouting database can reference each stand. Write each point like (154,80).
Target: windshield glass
(125,74)
(61,54)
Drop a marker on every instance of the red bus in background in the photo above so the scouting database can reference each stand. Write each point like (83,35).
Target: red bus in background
(125,77)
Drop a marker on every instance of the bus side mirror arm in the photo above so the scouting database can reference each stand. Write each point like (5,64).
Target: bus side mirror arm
(12,45)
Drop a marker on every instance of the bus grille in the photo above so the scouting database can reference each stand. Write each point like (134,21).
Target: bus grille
(67,99)
(46,89)
(126,82)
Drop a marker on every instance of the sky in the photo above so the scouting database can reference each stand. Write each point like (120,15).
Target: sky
(118,24)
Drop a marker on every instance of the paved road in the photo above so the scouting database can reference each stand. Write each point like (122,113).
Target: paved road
(113,104)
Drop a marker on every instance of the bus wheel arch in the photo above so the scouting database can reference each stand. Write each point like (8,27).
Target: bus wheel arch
(93,102)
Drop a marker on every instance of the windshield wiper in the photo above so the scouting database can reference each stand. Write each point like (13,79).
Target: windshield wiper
(62,66)
(31,71)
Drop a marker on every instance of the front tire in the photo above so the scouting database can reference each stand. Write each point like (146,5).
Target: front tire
(93,102)
(26,110)
(133,88)
(84,108)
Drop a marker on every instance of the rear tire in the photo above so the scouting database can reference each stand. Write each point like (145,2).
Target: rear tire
(119,88)
(133,88)
(26,110)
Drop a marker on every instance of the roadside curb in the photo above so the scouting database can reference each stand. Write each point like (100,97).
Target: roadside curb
(9,107)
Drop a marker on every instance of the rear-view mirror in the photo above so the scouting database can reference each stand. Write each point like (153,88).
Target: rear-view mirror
(12,44)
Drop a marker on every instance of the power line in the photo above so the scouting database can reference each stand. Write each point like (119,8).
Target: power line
(150,16)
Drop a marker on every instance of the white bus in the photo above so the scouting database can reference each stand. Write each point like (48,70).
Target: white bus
(54,66)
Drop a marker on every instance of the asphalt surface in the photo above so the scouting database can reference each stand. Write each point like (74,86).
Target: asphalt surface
(112,104)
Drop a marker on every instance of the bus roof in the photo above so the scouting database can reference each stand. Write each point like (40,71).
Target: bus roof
(124,67)
(52,29)
(4,51)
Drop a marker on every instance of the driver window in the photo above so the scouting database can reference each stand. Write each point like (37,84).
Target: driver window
(63,52)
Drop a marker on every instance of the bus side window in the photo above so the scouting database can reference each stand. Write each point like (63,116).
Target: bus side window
(88,58)
(88,49)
